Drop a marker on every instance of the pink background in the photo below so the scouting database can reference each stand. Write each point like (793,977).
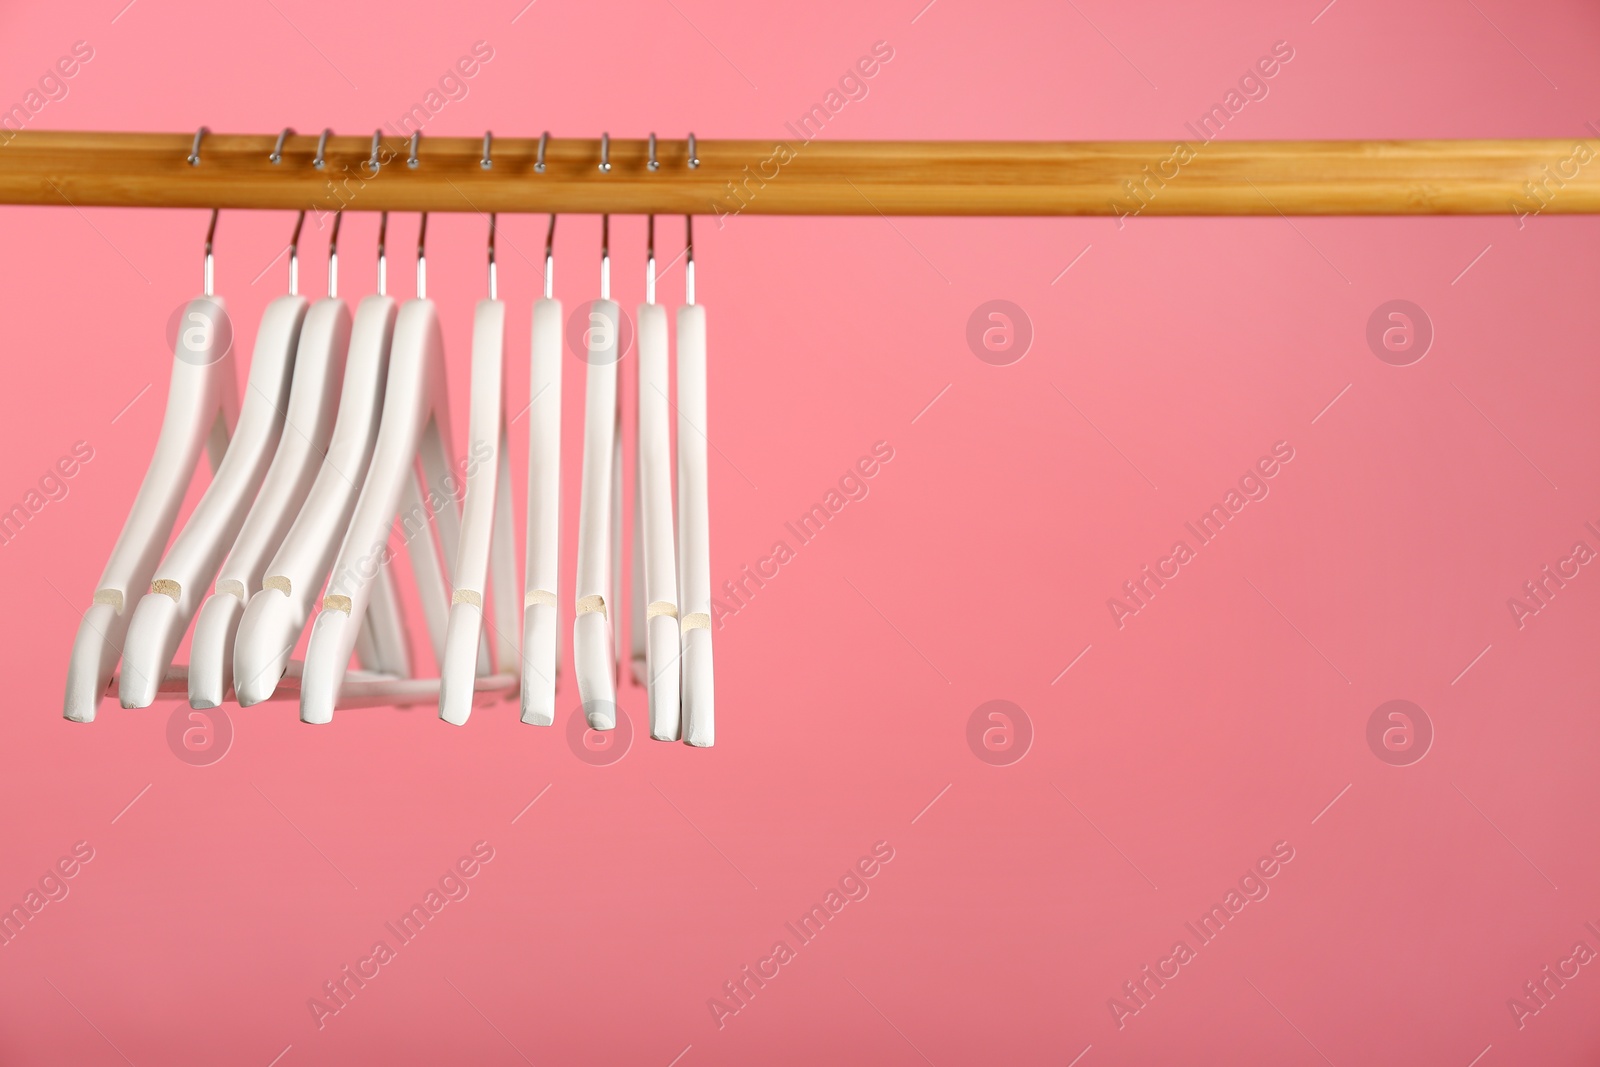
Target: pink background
(1227,716)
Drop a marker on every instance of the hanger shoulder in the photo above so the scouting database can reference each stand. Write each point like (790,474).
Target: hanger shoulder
(308,423)
(276,613)
(592,633)
(201,388)
(694,529)
(415,419)
(163,614)
(657,587)
(463,656)
(541,634)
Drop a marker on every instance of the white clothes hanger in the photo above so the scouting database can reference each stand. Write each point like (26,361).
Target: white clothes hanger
(189,566)
(655,583)
(638,644)
(594,651)
(694,520)
(276,614)
(308,424)
(415,425)
(541,633)
(616,525)
(202,409)
(486,528)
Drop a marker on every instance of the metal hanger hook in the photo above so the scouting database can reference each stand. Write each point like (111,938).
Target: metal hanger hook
(605,153)
(277,150)
(654,163)
(494,279)
(550,259)
(412,161)
(211,237)
(320,160)
(544,142)
(333,256)
(194,150)
(294,255)
(688,264)
(650,261)
(422,258)
(377,142)
(383,259)
(487,161)
(694,155)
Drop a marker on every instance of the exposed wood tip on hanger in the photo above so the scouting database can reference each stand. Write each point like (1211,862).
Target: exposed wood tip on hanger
(799,177)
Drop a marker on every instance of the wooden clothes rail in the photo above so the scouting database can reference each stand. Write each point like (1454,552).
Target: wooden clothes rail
(1484,177)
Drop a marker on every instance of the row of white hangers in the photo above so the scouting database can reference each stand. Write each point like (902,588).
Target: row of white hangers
(344,431)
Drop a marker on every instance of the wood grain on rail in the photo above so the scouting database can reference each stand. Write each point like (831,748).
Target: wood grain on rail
(1490,177)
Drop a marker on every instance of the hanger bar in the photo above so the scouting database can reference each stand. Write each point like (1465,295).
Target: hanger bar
(1483,177)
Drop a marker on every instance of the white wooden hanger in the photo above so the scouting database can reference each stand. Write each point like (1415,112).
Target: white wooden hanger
(308,424)
(415,425)
(694,521)
(487,537)
(541,633)
(655,590)
(189,566)
(277,612)
(202,408)
(593,647)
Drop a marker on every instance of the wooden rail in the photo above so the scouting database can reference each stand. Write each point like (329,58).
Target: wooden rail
(797,177)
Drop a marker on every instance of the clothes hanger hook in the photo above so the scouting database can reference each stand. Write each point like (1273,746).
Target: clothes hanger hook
(605,257)
(544,142)
(654,163)
(688,263)
(694,156)
(294,255)
(487,161)
(277,150)
(605,153)
(194,150)
(422,258)
(372,158)
(211,236)
(412,161)
(320,160)
(333,256)
(383,259)
(550,259)
(650,261)
(494,287)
